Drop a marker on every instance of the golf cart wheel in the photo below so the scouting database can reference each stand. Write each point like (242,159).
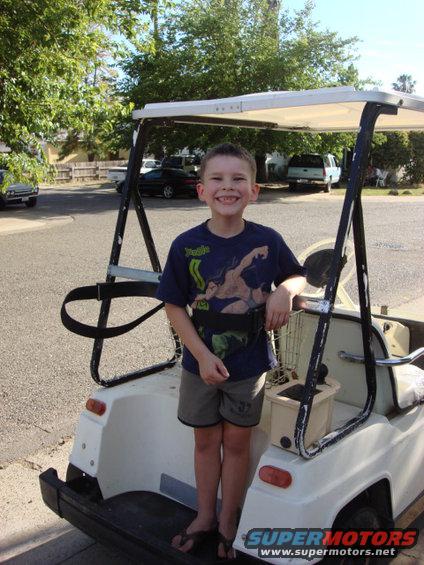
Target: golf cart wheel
(292,186)
(2,204)
(327,187)
(31,203)
(356,517)
(168,191)
(120,187)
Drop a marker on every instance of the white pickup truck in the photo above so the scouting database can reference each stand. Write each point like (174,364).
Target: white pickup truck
(117,174)
(313,169)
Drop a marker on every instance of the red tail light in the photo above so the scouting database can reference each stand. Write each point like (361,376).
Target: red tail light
(275,476)
(96,406)
(189,181)
(324,172)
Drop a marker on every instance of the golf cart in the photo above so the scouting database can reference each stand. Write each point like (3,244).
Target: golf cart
(340,442)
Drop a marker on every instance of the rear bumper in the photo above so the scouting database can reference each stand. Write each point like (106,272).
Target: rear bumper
(306,181)
(90,518)
(99,521)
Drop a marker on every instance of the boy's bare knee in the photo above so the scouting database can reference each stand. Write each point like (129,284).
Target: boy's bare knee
(236,440)
(207,439)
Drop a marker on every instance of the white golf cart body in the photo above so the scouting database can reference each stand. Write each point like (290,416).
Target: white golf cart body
(135,460)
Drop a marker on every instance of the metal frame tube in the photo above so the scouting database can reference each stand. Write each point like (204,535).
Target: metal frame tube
(351,213)
(130,189)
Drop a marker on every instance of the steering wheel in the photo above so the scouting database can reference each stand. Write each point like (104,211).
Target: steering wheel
(317,259)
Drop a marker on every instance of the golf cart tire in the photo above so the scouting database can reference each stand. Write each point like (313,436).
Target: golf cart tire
(292,186)
(168,191)
(31,203)
(120,187)
(355,516)
(361,517)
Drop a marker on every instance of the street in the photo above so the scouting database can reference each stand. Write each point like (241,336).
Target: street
(45,375)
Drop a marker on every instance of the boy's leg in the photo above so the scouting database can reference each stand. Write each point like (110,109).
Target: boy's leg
(207,466)
(241,407)
(235,466)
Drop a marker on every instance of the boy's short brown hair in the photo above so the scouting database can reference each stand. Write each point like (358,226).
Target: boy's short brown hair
(229,150)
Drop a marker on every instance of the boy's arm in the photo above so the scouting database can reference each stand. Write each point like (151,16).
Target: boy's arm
(212,369)
(279,303)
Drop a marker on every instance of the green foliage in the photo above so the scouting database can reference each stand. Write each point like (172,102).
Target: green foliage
(391,150)
(219,48)
(54,64)
(401,149)
(415,168)
(24,167)
(404,83)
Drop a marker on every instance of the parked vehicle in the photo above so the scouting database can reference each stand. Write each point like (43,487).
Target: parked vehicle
(168,183)
(16,192)
(311,168)
(339,445)
(118,174)
(188,163)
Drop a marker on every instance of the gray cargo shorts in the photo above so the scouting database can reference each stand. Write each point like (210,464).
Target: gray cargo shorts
(237,402)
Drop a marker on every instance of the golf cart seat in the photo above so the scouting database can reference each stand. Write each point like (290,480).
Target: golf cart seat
(397,387)
(409,380)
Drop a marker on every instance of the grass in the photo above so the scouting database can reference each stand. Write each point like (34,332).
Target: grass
(366,191)
(373,191)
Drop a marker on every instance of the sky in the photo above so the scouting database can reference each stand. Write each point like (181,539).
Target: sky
(391,35)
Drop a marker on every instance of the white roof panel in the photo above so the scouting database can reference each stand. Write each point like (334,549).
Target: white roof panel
(324,109)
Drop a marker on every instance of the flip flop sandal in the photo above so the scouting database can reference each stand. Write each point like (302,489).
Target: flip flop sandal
(228,545)
(196,537)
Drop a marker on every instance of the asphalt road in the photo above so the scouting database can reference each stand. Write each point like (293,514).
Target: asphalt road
(45,377)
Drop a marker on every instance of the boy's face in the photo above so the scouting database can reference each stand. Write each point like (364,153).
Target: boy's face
(227,186)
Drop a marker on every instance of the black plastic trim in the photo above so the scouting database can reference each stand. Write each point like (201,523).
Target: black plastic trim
(91,519)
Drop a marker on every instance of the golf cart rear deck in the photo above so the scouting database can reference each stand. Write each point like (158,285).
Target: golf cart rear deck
(131,482)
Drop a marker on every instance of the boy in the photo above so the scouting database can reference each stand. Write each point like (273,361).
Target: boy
(226,265)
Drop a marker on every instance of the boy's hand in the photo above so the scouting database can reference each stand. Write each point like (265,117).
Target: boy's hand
(278,308)
(212,369)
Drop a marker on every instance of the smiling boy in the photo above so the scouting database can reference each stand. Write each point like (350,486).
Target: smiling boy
(225,267)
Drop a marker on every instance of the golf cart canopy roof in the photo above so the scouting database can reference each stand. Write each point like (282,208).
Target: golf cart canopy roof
(325,109)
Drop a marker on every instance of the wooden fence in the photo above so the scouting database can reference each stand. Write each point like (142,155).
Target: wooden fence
(94,170)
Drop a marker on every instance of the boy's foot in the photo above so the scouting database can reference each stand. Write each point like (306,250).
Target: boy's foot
(225,546)
(226,535)
(194,535)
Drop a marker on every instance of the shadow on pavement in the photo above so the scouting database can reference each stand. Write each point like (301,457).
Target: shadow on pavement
(67,545)
(59,545)
(73,201)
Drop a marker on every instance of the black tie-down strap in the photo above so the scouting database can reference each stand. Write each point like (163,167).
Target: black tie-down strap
(103,291)
(251,322)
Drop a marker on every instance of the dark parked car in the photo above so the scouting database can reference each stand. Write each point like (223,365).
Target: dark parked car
(167,182)
(17,192)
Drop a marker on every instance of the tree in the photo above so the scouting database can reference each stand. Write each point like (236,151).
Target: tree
(401,149)
(391,150)
(404,83)
(219,48)
(415,167)
(49,68)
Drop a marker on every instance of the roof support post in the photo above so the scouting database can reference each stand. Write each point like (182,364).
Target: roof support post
(130,189)
(351,213)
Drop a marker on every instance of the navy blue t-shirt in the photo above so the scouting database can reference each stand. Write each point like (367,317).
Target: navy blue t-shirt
(229,275)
